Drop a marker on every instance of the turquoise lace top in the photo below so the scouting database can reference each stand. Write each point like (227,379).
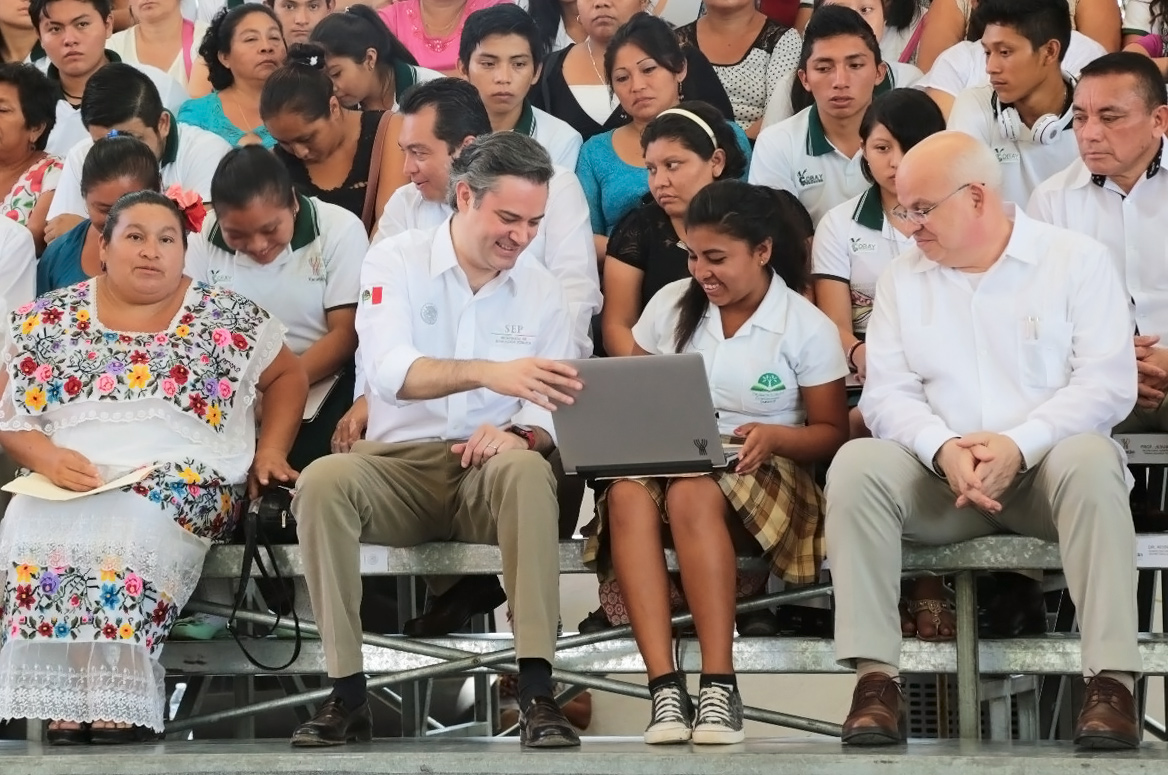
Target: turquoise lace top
(207,113)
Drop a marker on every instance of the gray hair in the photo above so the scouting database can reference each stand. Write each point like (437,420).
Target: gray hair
(489,157)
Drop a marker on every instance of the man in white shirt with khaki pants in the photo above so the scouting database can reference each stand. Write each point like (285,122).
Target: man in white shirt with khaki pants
(999,359)
(459,345)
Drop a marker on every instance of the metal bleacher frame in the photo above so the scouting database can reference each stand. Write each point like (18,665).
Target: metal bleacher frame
(584,661)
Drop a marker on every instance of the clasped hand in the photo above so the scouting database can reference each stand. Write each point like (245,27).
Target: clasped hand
(1152,366)
(979,468)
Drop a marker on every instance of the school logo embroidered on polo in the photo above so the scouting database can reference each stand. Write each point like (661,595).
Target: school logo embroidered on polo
(1006,156)
(809,178)
(861,245)
(768,383)
(429,314)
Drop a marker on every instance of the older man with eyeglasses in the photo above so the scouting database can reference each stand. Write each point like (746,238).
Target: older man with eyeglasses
(999,359)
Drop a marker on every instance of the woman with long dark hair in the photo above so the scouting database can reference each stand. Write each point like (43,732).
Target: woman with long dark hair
(776,374)
(648,70)
(369,67)
(327,148)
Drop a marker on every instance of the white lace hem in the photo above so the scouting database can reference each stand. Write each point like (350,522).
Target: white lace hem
(111,530)
(81,682)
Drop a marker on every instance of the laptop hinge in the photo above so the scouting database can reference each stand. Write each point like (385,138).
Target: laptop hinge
(645,469)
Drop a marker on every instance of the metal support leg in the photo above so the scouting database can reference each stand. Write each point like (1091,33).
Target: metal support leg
(412,694)
(244,686)
(968,704)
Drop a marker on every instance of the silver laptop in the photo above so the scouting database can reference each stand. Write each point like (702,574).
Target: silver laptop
(640,416)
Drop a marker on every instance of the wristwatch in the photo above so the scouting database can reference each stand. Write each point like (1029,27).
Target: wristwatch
(525,432)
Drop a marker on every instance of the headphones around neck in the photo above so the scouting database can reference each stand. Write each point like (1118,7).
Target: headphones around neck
(1047,128)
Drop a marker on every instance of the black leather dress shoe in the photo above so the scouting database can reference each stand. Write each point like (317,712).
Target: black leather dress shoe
(334,724)
(597,621)
(452,610)
(64,736)
(1014,606)
(121,735)
(543,725)
(757,624)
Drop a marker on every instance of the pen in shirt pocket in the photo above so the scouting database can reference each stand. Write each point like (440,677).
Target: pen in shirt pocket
(1032,328)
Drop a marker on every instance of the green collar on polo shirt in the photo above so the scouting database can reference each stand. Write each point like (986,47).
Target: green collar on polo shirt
(817,143)
(55,75)
(869,210)
(304,232)
(526,124)
(404,76)
(37,53)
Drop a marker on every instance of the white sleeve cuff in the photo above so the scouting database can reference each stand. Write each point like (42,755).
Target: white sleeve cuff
(929,441)
(390,376)
(1034,439)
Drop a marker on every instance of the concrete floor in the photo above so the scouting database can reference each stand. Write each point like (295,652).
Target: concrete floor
(598,756)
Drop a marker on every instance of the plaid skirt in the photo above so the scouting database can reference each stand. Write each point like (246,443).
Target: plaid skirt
(779,504)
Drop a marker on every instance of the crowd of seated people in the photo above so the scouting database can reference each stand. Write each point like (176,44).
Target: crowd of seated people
(348,251)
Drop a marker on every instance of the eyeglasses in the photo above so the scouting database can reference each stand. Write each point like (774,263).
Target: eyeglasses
(920,216)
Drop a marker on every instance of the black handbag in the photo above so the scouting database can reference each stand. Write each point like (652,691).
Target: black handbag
(267,521)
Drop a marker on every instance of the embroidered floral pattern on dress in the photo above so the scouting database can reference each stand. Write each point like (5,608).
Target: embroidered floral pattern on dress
(40,177)
(114,602)
(63,354)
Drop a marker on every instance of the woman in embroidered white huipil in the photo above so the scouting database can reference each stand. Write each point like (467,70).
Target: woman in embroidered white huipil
(139,366)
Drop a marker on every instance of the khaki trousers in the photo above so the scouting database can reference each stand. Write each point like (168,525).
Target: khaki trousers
(879,493)
(412,493)
(1145,420)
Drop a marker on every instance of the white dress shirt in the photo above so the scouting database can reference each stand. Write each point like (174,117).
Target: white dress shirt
(1039,349)
(1130,225)
(1024,164)
(797,156)
(563,243)
(754,375)
(416,303)
(188,160)
(963,65)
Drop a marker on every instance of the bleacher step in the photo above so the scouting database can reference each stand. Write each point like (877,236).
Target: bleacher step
(1045,655)
(597,756)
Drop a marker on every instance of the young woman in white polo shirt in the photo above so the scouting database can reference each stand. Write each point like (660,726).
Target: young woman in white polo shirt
(856,240)
(854,243)
(777,377)
(298,258)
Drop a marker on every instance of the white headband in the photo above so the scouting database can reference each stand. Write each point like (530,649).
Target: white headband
(694,117)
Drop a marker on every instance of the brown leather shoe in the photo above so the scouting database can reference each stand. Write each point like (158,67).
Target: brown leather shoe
(1108,719)
(875,715)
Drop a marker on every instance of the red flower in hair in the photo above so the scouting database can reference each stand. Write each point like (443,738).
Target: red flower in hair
(191,205)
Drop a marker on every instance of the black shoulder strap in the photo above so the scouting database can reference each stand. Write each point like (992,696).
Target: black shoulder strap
(253,539)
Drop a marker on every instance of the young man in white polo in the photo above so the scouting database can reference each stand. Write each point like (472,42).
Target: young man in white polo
(1117,192)
(816,153)
(500,53)
(1024,115)
(120,98)
(72,34)
(461,342)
